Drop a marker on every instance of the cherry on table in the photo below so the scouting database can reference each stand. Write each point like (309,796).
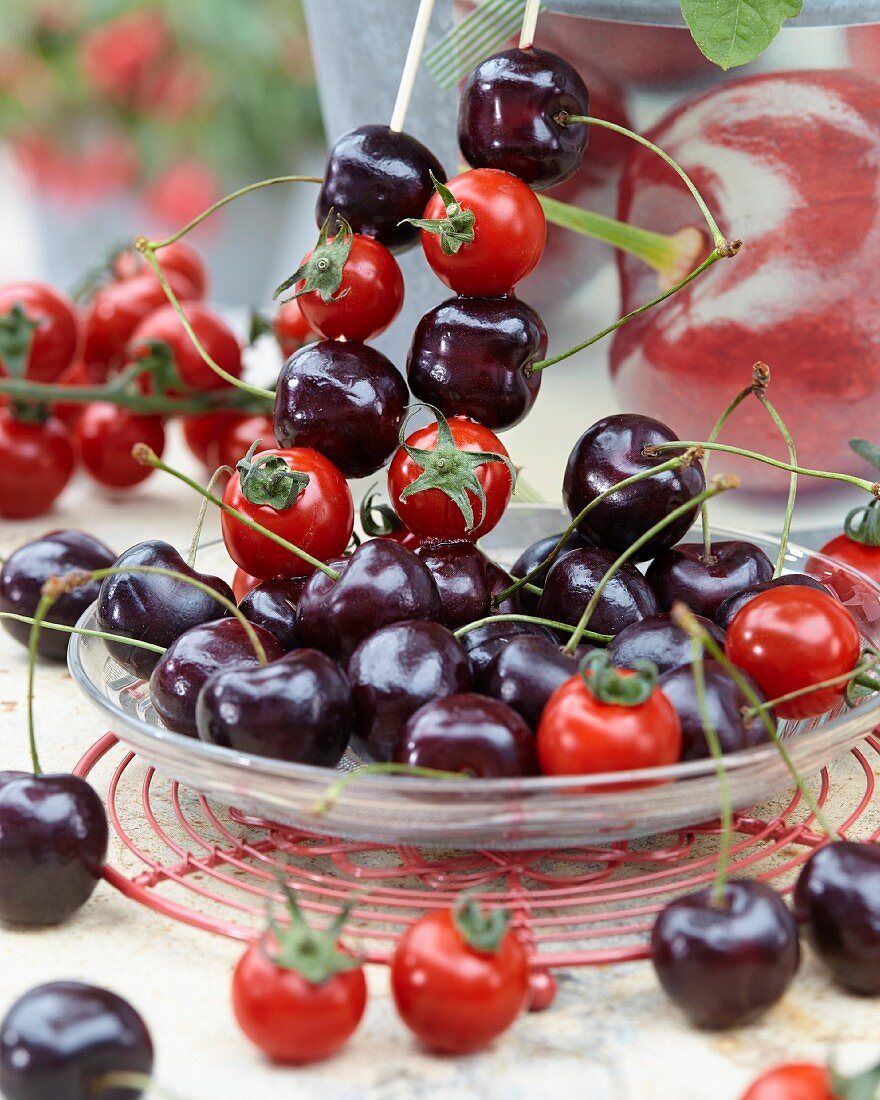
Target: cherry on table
(511,116)
(466,580)
(657,638)
(28,568)
(611,451)
(526,672)
(272,606)
(53,841)
(527,602)
(297,709)
(469,733)
(394,672)
(725,612)
(345,400)
(725,964)
(703,582)
(483,642)
(469,357)
(375,178)
(59,1040)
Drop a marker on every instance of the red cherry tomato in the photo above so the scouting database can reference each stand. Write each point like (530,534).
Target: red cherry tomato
(106,435)
(510,232)
(431,514)
(793,1081)
(116,311)
(234,440)
(69,412)
(56,338)
(857,554)
(36,462)
(201,431)
(291,328)
(368,299)
(579,734)
(290,1018)
(791,638)
(456,998)
(319,521)
(242,583)
(216,337)
(179,256)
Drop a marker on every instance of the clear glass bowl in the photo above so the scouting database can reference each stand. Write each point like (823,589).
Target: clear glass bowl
(537,812)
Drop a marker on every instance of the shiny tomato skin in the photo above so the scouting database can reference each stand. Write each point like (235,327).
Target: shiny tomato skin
(234,440)
(431,514)
(793,1081)
(201,430)
(857,554)
(454,998)
(790,638)
(36,462)
(510,232)
(179,257)
(289,1018)
(217,338)
(369,297)
(242,583)
(105,436)
(56,339)
(580,735)
(291,329)
(320,521)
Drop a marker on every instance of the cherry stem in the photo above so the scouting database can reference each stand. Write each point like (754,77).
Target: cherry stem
(60,628)
(42,610)
(792,481)
(713,435)
(126,1079)
(525,582)
(683,618)
(720,485)
(522,583)
(156,245)
(147,457)
(712,258)
(711,734)
(515,618)
(203,511)
(329,799)
(854,674)
(871,487)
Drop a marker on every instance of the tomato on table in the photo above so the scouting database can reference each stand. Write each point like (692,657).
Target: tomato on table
(291,329)
(178,257)
(235,439)
(55,337)
(36,463)
(200,431)
(69,412)
(216,337)
(793,1081)
(106,434)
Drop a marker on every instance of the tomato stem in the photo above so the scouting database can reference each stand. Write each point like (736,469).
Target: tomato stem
(515,618)
(330,797)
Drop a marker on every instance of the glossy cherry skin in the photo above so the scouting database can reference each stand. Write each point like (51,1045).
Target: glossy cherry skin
(375,178)
(59,1039)
(725,965)
(507,116)
(572,580)
(609,452)
(726,611)
(272,605)
(484,642)
(28,568)
(196,655)
(296,709)
(466,580)
(469,357)
(154,608)
(837,898)
(381,583)
(658,639)
(53,840)
(684,573)
(526,672)
(725,703)
(527,602)
(397,670)
(469,733)
(344,400)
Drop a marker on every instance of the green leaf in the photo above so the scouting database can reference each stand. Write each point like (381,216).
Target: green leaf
(870,452)
(735,32)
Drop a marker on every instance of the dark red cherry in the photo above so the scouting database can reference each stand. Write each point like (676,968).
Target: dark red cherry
(197,654)
(509,116)
(53,840)
(526,672)
(153,608)
(381,583)
(374,178)
(660,640)
(610,451)
(725,703)
(344,400)
(28,568)
(532,556)
(394,672)
(466,580)
(297,709)
(469,733)
(59,1040)
(685,573)
(272,605)
(724,965)
(484,642)
(573,579)
(469,358)
(837,898)
(726,611)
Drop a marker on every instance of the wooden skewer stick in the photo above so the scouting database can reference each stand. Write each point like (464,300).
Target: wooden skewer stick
(411,65)
(529,23)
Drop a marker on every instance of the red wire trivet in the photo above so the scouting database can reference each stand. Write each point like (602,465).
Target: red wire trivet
(216,868)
